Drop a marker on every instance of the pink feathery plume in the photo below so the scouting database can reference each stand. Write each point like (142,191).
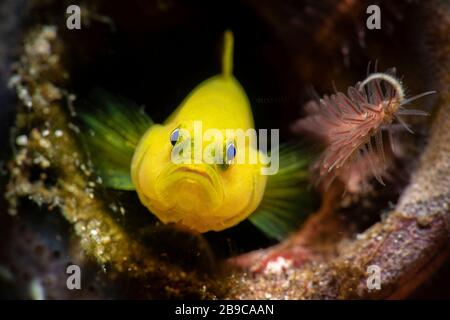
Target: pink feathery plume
(350,126)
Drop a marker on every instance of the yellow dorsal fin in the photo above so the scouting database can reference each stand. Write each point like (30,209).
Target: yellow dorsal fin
(227,57)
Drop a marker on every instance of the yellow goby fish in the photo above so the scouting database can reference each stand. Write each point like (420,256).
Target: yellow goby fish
(202,195)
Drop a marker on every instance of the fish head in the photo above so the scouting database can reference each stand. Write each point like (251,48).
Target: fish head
(202,177)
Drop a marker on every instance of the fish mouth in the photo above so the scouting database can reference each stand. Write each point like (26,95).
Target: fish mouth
(190,189)
(198,172)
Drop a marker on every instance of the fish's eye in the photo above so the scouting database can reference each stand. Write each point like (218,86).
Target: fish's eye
(174,136)
(230,153)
